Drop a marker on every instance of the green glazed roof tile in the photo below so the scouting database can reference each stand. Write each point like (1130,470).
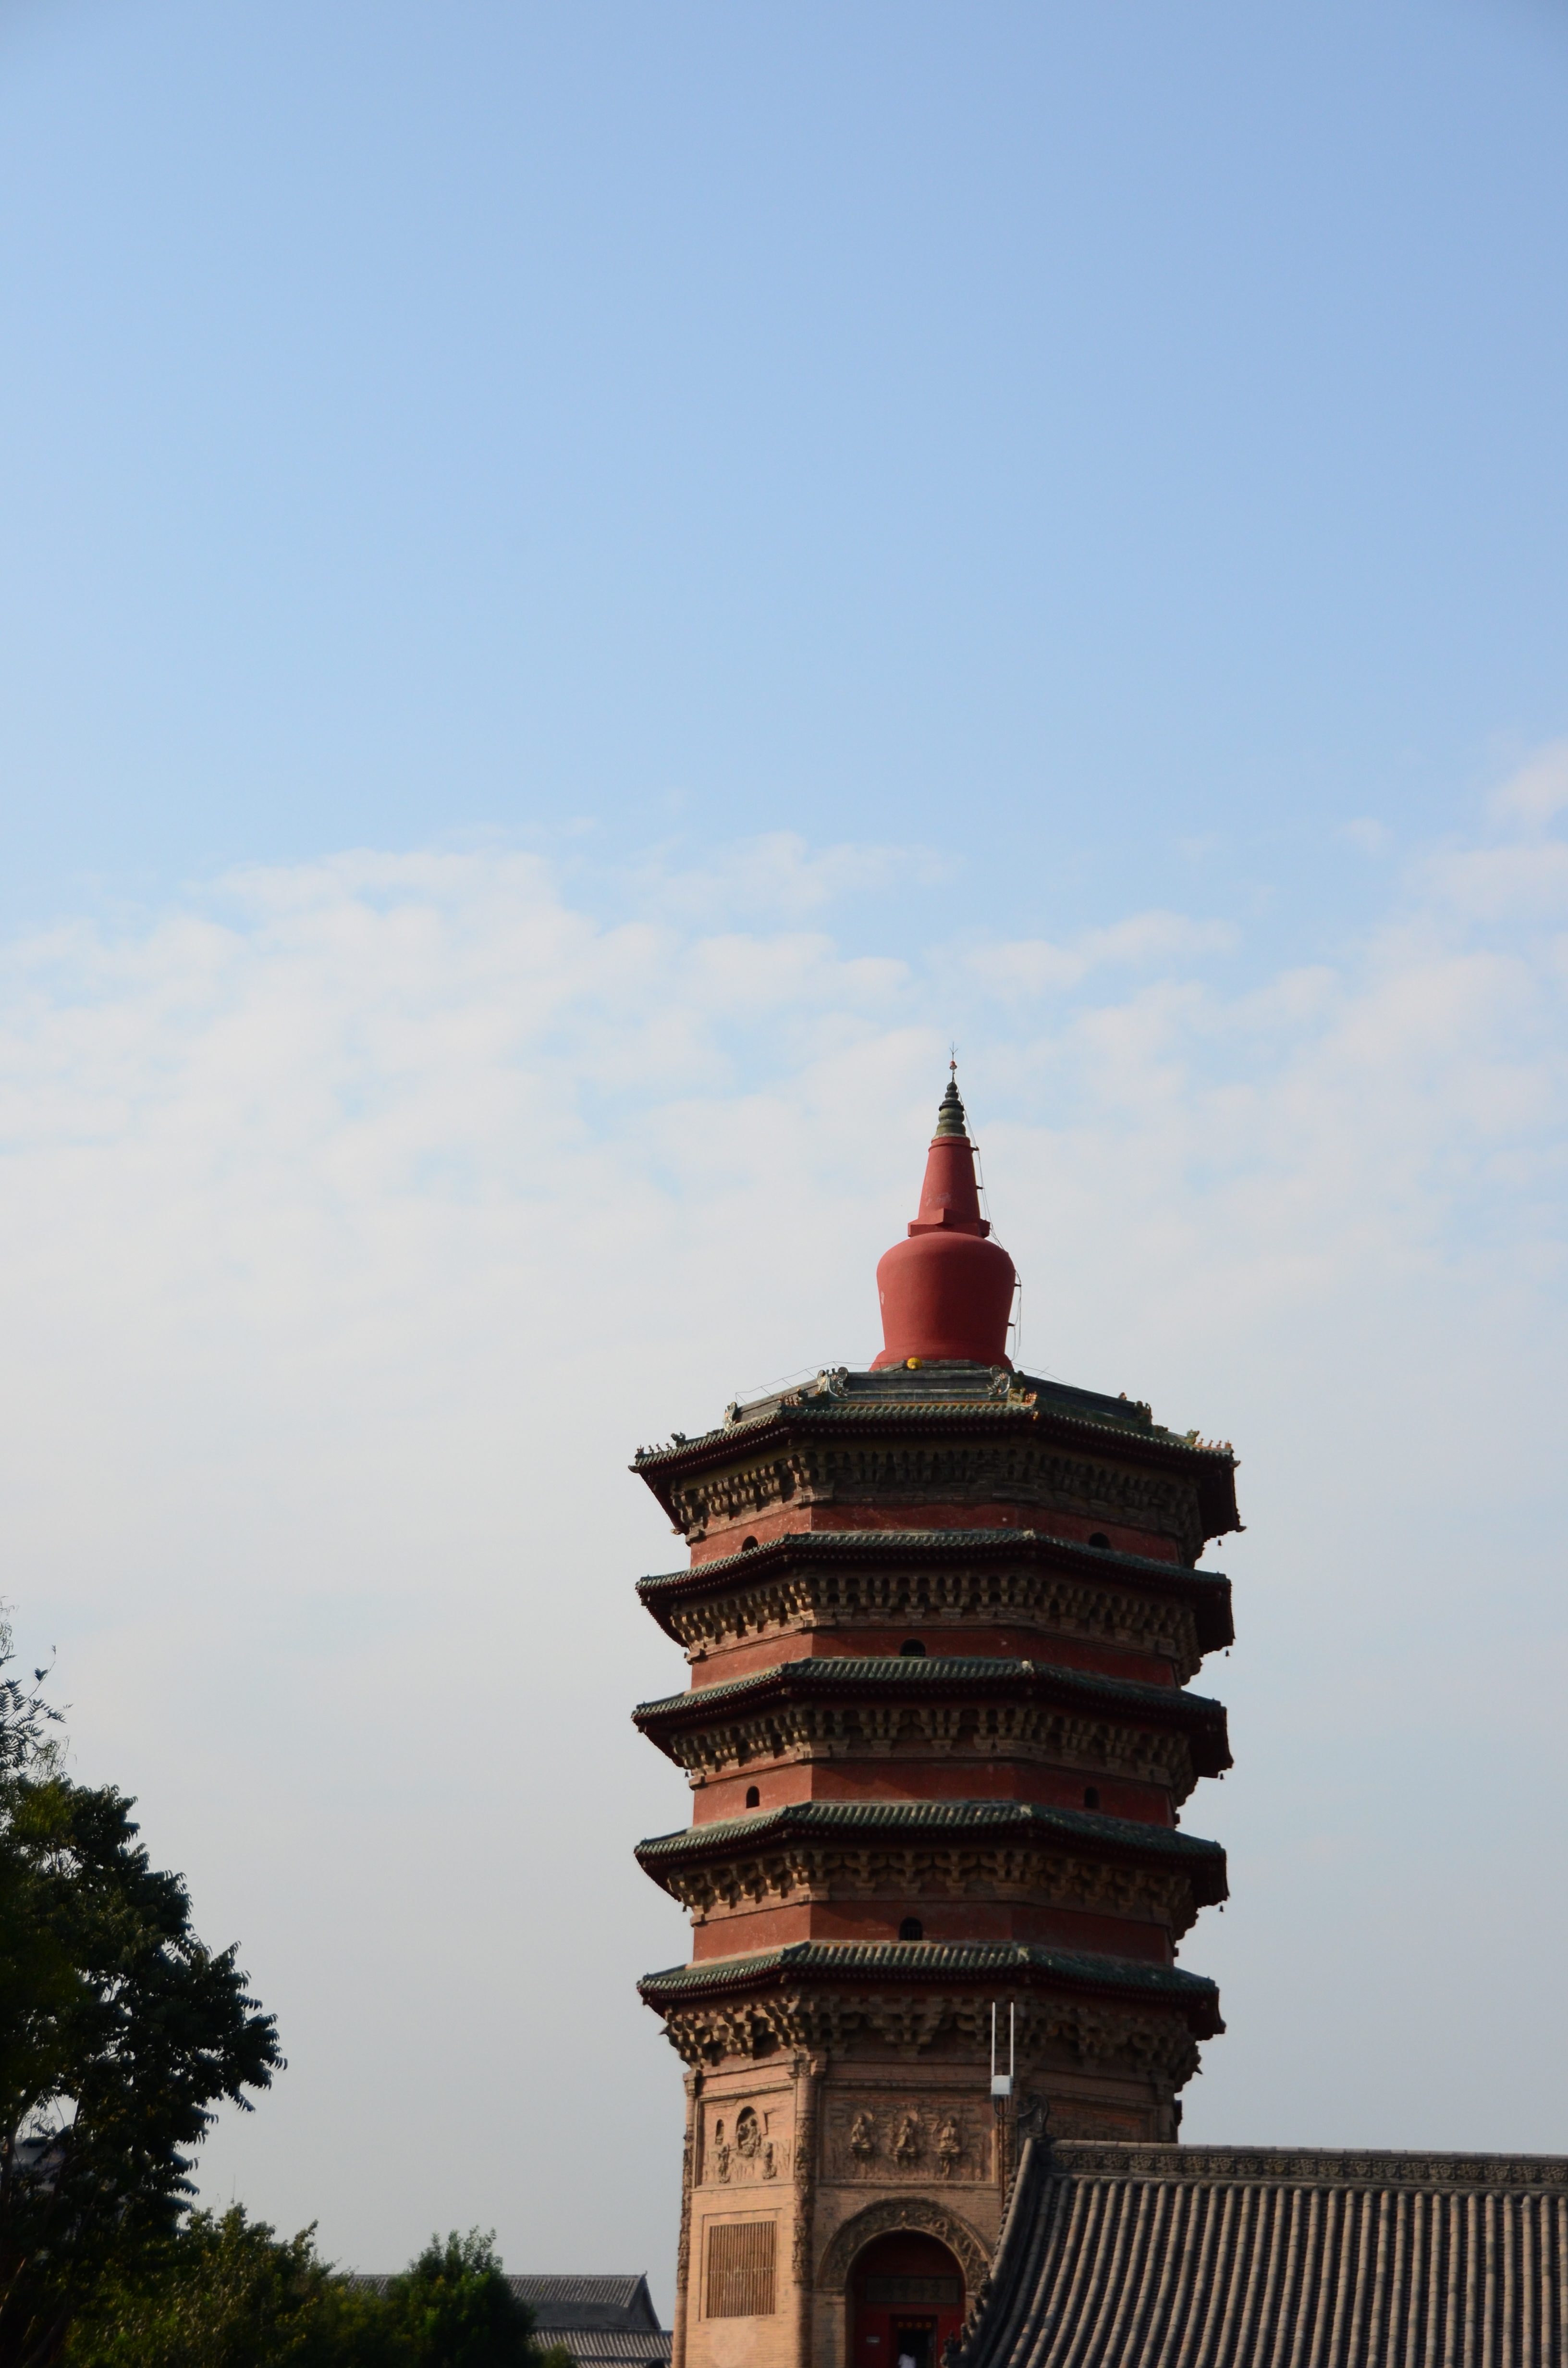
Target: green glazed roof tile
(930,1673)
(933,1961)
(881,1543)
(1085,1827)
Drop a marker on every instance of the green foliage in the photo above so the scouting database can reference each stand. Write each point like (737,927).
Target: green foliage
(118,2033)
(458,2311)
(227,2292)
(25,1746)
(221,2293)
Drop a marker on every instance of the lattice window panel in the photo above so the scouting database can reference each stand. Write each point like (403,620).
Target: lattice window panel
(740,2269)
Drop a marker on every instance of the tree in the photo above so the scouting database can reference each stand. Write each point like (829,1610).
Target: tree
(224,2292)
(227,2292)
(118,2033)
(458,2311)
(25,1745)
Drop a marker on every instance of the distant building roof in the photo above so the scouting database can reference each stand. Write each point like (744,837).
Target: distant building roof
(1122,2256)
(608,2302)
(599,2347)
(605,2321)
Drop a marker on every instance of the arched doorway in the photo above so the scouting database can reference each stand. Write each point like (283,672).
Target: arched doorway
(907,2297)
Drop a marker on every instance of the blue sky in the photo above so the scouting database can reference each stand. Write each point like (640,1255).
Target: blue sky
(1114,449)
(583,590)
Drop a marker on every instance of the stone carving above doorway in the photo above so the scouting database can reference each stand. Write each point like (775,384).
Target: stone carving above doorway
(878,2139)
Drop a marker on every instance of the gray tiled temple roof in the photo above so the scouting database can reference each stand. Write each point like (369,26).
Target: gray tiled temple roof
(958,1399)
(603,2320)
(610,2347)
(605,2301)
(942,1961)
(968,1677)
(1208,1592)
(928,1674)
(1119,2256)
(614,2307)
(937,1386)
(966,1822)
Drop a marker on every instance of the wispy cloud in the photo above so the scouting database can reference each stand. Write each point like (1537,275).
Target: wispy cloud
(362,1215)
(1373,837)
(776,875)
(1033,966)
(1538,792)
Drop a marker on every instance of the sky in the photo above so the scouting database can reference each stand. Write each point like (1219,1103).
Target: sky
(581,593)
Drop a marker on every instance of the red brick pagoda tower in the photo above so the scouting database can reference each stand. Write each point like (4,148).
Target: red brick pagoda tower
(940,1617)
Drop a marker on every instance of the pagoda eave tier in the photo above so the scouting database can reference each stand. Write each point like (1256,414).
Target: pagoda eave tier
(946,1408)
(816,1556)
(976,1683)
(808,1829)
(912,1993)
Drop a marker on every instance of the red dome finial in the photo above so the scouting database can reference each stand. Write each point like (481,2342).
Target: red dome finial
(947,1293)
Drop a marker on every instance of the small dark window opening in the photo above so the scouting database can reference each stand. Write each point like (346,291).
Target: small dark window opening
(1099,1539)
(1091,1796)
(748,1545)
(912,1649)
(912,1929)
(753,1797)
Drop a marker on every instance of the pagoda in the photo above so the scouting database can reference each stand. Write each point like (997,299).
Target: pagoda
(940,1616)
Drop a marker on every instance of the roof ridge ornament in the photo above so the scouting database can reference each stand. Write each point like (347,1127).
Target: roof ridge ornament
(947,1290)
(951,1119)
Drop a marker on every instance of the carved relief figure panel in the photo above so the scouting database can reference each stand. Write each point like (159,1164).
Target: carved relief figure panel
(890,2139)
(747,2144)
